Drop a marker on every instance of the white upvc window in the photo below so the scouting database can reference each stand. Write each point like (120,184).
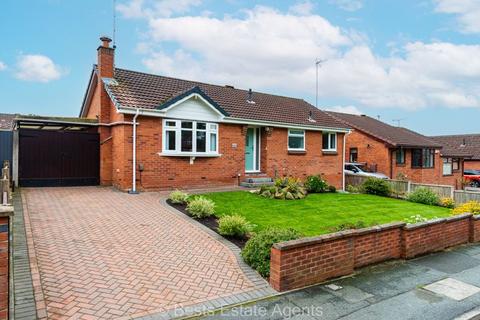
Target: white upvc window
(296,139)
(329,141)
(189,137)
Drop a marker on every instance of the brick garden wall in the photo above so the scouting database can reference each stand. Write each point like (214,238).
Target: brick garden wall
(298,263)
(4,266)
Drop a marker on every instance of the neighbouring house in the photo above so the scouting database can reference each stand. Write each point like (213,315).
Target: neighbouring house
(192,134)
(468,143)
(401,153)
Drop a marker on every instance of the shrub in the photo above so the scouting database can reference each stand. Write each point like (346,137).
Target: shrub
(417,219)
(284,188)
(425,196)
(201,207)
(376,186)
(234,226)
(315,184)
(353,189)
(447,203)
(257,250)
(472,207)
(332,189)
(178,196)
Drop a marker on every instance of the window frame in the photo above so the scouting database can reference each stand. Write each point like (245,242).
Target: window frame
(424,152)
(330,134)
(449,162)
(350,153)
(403,156)
(296,135)
(211,128)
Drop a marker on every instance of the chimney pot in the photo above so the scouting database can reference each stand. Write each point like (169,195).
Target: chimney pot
(105,41)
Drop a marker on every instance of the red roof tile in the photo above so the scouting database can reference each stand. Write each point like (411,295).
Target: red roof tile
(148,91)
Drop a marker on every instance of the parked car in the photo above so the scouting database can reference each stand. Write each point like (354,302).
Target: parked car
(472,177)
(361,169)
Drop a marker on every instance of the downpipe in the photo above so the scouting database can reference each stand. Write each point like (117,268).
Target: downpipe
(134,154)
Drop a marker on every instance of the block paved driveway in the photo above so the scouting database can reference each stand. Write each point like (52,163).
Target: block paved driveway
(100,253)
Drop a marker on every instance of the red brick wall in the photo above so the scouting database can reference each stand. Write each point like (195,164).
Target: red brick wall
(298,263)
(370,150)
(4,263)
(277,161)
(470,164)
(427,175)
(166,172)
(376,153)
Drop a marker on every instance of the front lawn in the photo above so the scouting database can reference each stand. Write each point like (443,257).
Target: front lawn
(319,213)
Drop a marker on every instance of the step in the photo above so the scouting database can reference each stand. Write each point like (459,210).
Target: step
(258,179)
(255,184)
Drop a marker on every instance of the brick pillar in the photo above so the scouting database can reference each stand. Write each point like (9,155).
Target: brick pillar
(5,213)
(105,69)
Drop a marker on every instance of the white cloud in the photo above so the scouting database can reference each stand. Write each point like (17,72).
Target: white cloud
(466,11)
(302,8)
(3,66)
(275,51)
(348,5)
(345,109)
(153,9)
(37,68)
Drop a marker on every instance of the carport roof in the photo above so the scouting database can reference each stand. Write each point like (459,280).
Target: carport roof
(53,123)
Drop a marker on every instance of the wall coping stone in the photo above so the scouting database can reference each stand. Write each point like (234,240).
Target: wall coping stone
(303,242)
(418,225)
(476,217)
(6,211)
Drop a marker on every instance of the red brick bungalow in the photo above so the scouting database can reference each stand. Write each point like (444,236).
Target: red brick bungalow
(193,134)
(399,152)
(467,143)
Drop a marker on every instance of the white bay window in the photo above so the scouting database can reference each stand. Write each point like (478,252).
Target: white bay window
(188,137)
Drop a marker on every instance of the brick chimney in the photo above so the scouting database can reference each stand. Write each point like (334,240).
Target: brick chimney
(106,56)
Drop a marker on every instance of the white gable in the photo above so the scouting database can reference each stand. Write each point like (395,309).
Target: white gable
(193,107)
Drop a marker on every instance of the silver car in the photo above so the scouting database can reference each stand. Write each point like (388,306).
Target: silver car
(359,169)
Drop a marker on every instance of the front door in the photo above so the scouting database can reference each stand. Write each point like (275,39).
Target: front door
(252,143)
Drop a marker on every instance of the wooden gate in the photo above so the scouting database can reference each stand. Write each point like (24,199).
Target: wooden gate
(58,158)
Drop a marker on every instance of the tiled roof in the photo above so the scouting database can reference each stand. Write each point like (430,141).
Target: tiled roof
(148,91)
(394,136)
(464,143)
(6,121)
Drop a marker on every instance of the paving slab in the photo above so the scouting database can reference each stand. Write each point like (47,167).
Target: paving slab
(453,289)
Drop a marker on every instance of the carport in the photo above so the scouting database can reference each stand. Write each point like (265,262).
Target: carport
(54,151)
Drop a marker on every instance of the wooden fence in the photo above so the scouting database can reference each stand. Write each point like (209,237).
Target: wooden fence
(461,196)
(401,188)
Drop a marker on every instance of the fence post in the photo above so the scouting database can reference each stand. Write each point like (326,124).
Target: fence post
(409,186)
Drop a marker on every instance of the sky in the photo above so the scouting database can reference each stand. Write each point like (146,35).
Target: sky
(416,63)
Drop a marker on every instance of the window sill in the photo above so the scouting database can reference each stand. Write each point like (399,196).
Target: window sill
(400,164)
(297,151)
(448,175)
(188,155)
(329,152)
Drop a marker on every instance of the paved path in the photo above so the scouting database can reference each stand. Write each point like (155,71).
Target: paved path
(393,290)
(100,253)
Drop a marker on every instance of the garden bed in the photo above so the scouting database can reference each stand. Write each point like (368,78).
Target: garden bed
(209,222)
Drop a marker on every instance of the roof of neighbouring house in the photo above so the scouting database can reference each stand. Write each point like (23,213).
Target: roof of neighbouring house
(393,136)
(466,143)
(6,121)
(147,91)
